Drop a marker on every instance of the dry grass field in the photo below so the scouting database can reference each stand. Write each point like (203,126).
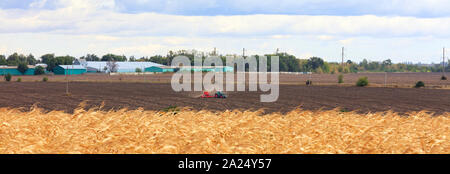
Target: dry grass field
(204,132)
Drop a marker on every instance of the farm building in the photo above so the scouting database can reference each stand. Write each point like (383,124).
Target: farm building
(162,69)
(192,68)
(69,70)
(15,72)
(122,67)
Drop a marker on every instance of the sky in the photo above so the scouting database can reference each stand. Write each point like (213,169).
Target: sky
(400,30)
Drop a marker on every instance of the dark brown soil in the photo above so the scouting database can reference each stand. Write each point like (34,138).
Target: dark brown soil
(432,80)
(157,96)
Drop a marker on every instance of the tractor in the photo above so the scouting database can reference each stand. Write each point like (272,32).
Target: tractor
(218,94)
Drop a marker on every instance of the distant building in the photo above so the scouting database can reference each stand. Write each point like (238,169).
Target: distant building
(69,70)
(122,67)
(191,68)
(15,72)
(161,69)
(43,65)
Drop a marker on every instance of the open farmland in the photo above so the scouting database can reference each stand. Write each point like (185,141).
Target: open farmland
(157,96)
(406,80)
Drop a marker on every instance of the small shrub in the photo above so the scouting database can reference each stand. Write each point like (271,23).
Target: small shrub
(138,70)
(19,79)
(171,109)
(344,110)
(45,79)
(443,78)
(362,81)
(308,83)
(8,77)
(419,84)
(341,78)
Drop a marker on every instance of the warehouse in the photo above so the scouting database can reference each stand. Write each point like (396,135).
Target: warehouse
(162,69)
(69,70)
(15,72)
(122,67)
(191,68)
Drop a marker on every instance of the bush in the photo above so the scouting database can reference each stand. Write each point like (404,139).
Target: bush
(8,77)
(308,82)
(341,78)
(362,81)
(419,84)
(19,79)
(44,79)
(39,70)
(443,78)
(138,70)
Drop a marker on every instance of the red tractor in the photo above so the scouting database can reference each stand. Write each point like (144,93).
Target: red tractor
(216,95)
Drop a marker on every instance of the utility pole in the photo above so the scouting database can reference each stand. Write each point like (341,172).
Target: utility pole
(243,52)
(342,57)
(67,81)
(385,79)
(215,53)
(443,61)
(143,73)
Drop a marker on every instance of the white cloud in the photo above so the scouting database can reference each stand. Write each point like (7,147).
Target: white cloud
(346,41)
(38,3)
(278,36)
(325,37)
(78,27)
(149,49)
(81,18)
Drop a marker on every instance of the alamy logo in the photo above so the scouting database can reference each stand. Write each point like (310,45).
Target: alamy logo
(213,79)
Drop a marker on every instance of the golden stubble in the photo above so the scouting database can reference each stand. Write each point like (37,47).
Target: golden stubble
(231,132)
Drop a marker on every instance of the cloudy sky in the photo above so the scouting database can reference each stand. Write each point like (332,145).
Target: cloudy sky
(402,30)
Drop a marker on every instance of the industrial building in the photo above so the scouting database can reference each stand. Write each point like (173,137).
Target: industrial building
(69,70)
(162,69)
(122,67)
(15,72)
(191,68)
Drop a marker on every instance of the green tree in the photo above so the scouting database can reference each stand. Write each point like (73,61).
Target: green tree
(138,70)
(39,70)
(31,60)
(314,63)
(49,59)
(158,59)
(90,57)
(64,60)
(53,61)
(364,64)
(15,59)
(3,60)
(113,57)
(22,67)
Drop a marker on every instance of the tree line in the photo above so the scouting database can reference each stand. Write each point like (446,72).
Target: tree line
(287,62)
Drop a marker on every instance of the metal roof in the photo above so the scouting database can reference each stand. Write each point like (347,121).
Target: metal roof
(120,65)
(72,67)
(14,67)
(194,67)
